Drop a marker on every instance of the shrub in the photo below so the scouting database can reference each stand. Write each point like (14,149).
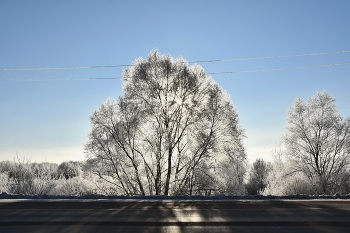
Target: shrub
(69,169)
(75,186)
(4,185)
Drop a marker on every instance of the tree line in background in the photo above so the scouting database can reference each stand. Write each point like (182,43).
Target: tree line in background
(176,132)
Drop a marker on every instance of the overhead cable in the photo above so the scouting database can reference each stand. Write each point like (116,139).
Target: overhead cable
(55,79)
(210,73)
(271,57)
(275,69)
(199,61)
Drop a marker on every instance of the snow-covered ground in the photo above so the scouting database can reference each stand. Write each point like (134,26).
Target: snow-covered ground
(5,196)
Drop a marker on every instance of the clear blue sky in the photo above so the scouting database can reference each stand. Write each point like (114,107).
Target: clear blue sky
(49,120)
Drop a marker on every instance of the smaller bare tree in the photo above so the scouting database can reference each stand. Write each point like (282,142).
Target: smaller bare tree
(318,141)
(258,177)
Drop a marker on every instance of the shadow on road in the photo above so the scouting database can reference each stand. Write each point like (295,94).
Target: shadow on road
(175,216)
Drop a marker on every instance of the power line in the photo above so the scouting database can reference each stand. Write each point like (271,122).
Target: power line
(199,61)
(211,73)
(276,69)
(56,79)
(64,68)
(271,57)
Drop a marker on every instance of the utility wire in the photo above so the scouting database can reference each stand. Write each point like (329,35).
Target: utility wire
(56,79)
(271,57)
(211,73)
(65,68)
(275,69)
(199,61)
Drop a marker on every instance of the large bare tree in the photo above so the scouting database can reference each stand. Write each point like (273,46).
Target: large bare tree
(318,141)
(168,134)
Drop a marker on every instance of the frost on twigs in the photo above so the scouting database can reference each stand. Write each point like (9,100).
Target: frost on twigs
(318,142)
(316,150)
(174,132)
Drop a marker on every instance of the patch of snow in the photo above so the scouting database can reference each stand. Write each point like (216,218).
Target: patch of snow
(21,197)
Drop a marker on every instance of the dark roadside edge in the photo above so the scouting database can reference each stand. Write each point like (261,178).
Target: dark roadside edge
(174,198)
(221,223)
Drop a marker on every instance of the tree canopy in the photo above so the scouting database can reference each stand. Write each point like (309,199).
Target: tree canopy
(173,132)
(258,177)
(318,141)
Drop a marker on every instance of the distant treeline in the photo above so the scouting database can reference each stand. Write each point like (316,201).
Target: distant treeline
(23,177)
(74,178)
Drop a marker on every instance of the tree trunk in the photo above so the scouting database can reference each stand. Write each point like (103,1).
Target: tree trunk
(167,182)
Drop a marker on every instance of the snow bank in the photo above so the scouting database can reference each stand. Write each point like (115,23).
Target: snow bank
(175,198)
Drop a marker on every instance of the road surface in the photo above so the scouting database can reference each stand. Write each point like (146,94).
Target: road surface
(174,216)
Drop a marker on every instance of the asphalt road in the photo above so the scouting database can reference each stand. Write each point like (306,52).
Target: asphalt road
(174,216)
